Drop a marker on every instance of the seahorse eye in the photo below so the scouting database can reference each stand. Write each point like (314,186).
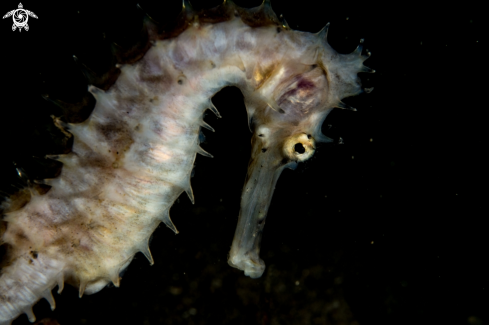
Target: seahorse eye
(299,147)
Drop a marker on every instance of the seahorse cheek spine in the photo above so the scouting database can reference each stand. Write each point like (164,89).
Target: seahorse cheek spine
(134,155)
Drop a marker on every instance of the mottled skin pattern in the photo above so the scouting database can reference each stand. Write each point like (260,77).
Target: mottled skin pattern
(133,157)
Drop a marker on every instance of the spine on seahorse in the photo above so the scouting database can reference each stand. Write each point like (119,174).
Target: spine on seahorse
(133,156)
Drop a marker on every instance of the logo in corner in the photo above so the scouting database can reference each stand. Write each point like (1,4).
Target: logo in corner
(20,17)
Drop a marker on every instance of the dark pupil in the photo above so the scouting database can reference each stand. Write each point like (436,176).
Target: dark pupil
(299,148)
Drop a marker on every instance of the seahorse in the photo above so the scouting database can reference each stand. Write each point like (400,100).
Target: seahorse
(134,155)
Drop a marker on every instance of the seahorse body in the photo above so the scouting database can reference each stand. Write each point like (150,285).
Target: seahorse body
(133,156)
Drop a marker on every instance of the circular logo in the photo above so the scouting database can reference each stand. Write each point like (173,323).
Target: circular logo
(20,18)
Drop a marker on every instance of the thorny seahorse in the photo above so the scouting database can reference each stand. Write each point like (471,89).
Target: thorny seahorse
(133,156)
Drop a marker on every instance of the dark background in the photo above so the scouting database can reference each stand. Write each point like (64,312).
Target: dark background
(386,228)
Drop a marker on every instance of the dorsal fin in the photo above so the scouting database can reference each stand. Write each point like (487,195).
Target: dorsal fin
(77,112)
(103,81)
(262,15)
(224,12)
(150,25)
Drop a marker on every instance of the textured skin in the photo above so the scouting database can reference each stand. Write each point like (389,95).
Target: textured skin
(133,157)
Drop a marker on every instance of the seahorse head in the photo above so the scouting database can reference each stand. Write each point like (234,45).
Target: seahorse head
(287,105)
